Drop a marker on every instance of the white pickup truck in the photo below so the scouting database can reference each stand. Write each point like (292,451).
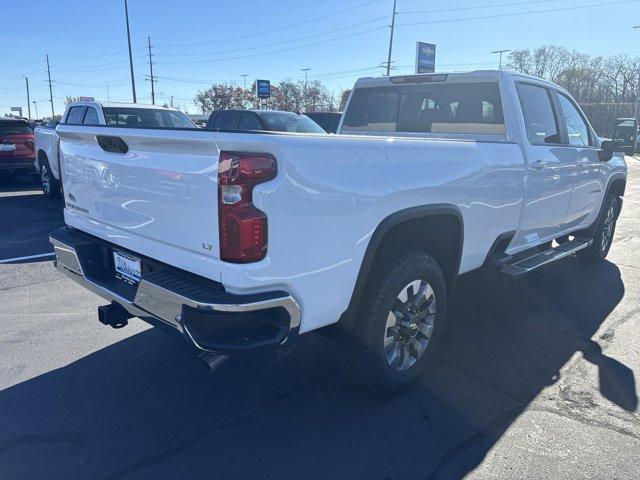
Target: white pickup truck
(242,241)
(90,112)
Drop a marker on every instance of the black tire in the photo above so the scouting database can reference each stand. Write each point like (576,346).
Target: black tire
(363,355)
(603,237)
(49,184)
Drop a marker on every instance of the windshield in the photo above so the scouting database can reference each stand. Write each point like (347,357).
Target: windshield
(290,122)
(146,118)
(14,128)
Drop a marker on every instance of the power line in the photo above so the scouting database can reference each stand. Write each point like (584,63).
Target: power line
(282,49)
(265,45)
(101,64)
(264,32)
(441,10)
(119,52)
(518,13)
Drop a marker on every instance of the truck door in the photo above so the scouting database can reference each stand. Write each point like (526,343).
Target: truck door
(551,167)
(589,184)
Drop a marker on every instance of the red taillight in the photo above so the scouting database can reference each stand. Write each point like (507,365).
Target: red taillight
(243,228)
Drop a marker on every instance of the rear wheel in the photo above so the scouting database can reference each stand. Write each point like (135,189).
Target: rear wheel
(402,315)
(50,185)
(603,237)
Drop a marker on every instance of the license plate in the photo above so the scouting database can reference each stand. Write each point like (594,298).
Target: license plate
(127,267)
(7,147)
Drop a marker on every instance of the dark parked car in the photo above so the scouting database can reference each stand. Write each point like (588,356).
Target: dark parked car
(270,120)
(625,134)
(327,120)
(17,154)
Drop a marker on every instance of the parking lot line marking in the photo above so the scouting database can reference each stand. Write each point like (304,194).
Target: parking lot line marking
(28,257)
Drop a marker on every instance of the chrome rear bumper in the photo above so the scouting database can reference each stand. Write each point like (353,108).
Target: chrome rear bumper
(208,317)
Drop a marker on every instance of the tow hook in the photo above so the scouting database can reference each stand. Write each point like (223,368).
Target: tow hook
(211,361)
(114,315)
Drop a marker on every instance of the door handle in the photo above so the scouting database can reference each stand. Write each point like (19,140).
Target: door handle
(112,144)
(538,165)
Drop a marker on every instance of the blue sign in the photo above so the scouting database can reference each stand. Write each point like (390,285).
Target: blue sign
(263,87)
(425,57)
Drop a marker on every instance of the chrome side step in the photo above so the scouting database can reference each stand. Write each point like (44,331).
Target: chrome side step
(526,265)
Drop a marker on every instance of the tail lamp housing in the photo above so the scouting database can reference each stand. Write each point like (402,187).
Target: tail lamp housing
(242,226)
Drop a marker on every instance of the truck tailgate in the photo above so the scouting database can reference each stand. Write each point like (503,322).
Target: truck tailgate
(164,187)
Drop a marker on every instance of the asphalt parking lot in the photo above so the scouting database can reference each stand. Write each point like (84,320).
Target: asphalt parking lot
(537,378)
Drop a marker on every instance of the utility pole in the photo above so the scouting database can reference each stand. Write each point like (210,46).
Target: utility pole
(35,104)
(26,79)
(171,101)
(636,106)
(500,52)
(151,78)
(133,83)
(306,72)
(108,94)
(393,24)
(53,114)
(244,80)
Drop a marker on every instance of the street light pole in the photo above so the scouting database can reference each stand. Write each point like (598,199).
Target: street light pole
(393,24)
(26,79)
(133,83)
(35,104)
(500,52)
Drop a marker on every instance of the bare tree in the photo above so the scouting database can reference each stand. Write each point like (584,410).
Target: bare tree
(604,88)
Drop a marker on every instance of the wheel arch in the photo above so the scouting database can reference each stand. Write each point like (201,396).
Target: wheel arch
(616,186)
(416,219)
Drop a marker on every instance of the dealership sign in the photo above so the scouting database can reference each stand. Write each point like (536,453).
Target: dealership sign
(263,88)
(425,57)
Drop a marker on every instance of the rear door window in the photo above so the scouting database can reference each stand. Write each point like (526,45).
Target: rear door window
(75,115)
(466,108)
(539,116)
(146,118)
(91,117)
(249,121)
(225,121)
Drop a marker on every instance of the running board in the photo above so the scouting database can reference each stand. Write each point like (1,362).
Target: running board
(526,265)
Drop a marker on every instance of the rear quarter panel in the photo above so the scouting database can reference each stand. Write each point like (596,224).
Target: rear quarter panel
(332,192)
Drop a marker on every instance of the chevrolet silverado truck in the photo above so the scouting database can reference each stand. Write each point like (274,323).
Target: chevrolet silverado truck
(241,241)
(89,112)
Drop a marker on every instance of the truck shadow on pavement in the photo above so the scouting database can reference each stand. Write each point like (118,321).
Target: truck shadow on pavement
(143,408)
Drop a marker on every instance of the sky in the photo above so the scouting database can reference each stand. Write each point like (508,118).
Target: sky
(198,42)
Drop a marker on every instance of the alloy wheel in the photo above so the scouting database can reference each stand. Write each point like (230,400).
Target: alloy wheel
(607,230)
(410,325)
(44,179)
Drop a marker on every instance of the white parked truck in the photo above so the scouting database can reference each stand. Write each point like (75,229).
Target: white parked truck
(243,241)
(91,113)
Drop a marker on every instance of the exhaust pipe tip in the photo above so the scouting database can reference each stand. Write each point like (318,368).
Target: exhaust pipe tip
(212,361)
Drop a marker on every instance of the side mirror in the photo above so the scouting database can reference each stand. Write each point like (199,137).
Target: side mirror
(607,147)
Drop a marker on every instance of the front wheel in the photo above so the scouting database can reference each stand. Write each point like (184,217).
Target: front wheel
(402,316)
(50,185)
(603,237)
